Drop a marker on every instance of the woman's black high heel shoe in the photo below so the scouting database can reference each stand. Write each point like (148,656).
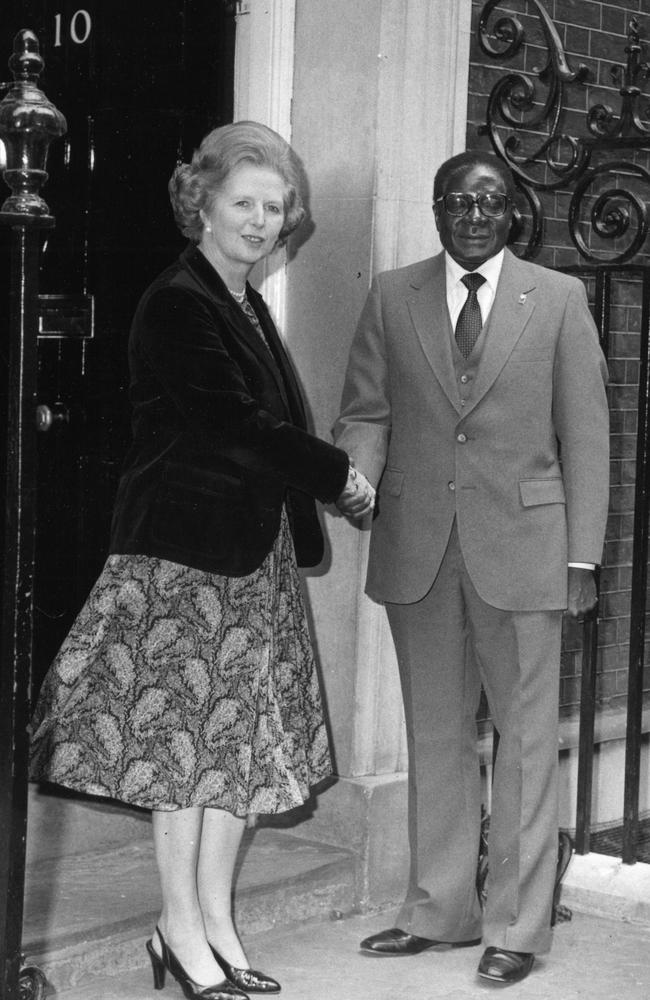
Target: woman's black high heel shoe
(247,979)
(169,963)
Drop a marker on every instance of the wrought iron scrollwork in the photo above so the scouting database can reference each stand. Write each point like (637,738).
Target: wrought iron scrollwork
(32,984)
(608,217)
(519,231)
(514,101)
(602,121)
(616,213)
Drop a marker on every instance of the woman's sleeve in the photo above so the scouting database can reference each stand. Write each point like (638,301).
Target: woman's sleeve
(177,335)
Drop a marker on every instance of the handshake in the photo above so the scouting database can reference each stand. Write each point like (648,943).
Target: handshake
(358,497)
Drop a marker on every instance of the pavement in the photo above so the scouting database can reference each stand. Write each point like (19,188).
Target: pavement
(90,909)
(593,958)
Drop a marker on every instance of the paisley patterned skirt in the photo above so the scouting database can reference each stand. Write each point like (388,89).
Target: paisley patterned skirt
(179,688)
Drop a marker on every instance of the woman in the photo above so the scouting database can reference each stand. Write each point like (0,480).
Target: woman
(187,684)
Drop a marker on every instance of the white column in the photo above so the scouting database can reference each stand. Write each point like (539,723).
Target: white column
(418,120)
(421,121)
(264,48)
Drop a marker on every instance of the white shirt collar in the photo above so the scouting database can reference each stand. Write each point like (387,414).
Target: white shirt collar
(490,269)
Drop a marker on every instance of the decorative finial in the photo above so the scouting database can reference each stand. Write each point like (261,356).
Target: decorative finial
(28,123)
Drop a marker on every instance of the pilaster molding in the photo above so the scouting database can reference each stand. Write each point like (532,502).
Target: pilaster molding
(379,738)
(422,118)
(264,61)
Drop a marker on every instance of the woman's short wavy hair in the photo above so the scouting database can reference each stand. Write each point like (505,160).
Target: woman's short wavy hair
(193,186)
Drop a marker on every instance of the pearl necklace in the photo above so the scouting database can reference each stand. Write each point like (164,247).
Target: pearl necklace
(238,296)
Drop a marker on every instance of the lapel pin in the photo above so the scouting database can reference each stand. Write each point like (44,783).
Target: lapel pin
(522,298)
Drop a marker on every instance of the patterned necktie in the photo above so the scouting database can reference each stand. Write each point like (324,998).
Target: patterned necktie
(468,326)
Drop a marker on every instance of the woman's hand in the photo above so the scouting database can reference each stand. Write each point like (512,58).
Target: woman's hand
(358,497)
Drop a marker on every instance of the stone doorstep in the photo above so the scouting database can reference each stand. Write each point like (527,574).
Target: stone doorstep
(61,823)
(87,910)
(603,886)
(91,913)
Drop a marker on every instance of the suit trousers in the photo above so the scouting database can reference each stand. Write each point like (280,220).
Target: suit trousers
(448,644)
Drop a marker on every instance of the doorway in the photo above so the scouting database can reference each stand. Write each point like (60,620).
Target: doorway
(139,85)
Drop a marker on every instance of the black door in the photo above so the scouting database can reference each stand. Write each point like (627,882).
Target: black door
(139,84)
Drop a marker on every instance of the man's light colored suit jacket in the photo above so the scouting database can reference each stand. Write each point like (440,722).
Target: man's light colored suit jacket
(494,463)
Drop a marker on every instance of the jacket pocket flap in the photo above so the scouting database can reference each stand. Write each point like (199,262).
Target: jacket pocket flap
(391,482)
(539,491)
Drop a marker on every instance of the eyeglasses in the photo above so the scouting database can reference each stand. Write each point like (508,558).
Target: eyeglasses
(492,204)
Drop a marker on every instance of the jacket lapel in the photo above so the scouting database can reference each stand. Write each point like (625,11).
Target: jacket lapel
(275,362)
(427,304)
(282,370)
(512,308)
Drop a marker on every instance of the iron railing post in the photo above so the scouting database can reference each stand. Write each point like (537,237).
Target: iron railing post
(586,734)
(28,122)
(17,591)
(639,593)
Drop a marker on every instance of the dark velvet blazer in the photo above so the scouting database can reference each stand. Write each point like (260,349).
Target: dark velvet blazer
(219,433)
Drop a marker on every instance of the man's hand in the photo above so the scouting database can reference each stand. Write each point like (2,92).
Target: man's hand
(358,497)
(582,591)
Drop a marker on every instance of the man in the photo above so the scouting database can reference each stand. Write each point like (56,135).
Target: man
(469,373)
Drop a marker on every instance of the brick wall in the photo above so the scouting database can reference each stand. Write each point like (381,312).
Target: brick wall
(594,34)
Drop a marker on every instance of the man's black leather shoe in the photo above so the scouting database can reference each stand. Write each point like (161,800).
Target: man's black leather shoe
(398,942)
(505,967)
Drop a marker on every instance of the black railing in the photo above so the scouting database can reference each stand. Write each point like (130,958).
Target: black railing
(603,275)
(602,170)
(586,739)
(28,123)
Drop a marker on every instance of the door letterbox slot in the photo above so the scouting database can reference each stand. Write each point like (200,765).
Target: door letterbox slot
(66,316)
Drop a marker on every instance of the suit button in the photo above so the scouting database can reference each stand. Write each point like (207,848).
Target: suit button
(451,486)
(464,379)
(462,438)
